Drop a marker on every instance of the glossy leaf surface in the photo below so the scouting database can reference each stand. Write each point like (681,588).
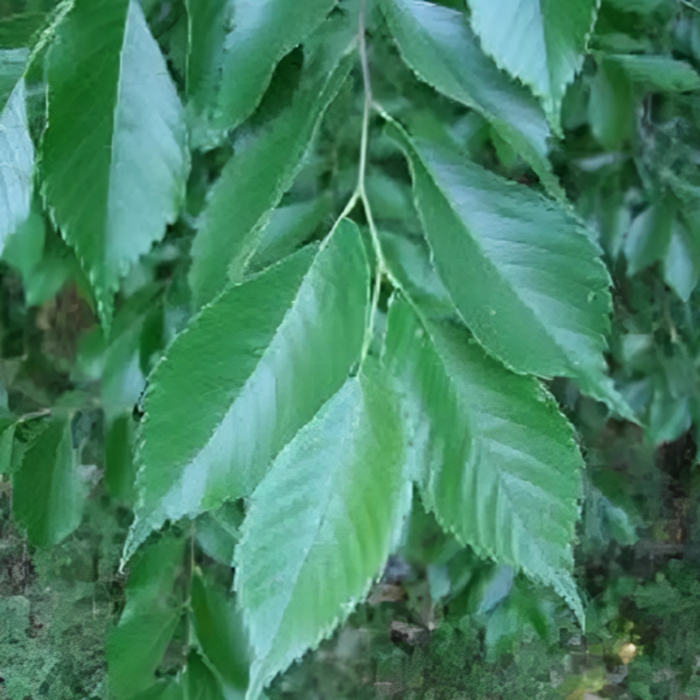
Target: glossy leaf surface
(522,271)
(320,526)
(497,460)
(288,336)
(540,43)
(114,154)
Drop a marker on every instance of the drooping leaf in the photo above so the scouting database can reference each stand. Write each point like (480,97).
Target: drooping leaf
(16,164)
(114,154)
(540,43)
(497,460)
(439,46)
(648,238)
(47,491)
(320,526)
(521,269)
(611,105)
(153,607)
(199,680)
(220,633)
(263,32)
(682,260)
(262,169)
(285,339)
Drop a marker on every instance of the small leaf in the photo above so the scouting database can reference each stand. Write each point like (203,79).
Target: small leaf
(219,628)
(16,164)
(521,269)
(439,46)
(199,681)
(320,526)
(497,460)
(611,105)
(288,336)
(114,154)
(262,169)
(135,648)
(648,238)
(540,43)
(47,491)
(682,261)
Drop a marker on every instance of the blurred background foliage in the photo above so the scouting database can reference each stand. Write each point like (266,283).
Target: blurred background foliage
(442,623)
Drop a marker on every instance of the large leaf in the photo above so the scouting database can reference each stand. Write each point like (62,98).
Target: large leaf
(47,491)
(250,370)
(262,169)
(540,42)
(153,607)
(16,164)
(439,46)
(521,269)
(496,458)
(320,526)
(114,153)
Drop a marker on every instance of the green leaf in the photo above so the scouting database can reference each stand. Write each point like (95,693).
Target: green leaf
(220,633)
(288,336)
(648,238)
(521,269)
(682,261)
(16,164)
(497,460)
(114,154)
(24,248)
(287,228)
(47,491)
(261,170)
(119,458)
(611,105)
(658,73)
(218,531)
(320,526)
(540,43)
(263,32)
(153,608)
(12,66)
(439,46)
(199,681)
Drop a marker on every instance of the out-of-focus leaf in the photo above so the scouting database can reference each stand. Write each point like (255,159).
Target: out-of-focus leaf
(649,236)
(611,105)
(658,73)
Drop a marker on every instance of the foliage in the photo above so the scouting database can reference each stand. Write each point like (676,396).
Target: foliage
(313,314)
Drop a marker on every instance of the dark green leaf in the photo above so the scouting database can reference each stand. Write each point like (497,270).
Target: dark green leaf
(320,526)
(114,154)
(262,169)
(47,491)
(291,336)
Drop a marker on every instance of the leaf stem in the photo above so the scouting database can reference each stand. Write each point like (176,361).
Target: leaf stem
(361,190)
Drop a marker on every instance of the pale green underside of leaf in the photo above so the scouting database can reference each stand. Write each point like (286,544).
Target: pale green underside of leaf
(521,270)
(320,526)
(245,376)
(263,32)
(135,648)
(496,459)
(437,43)
(16,164)
(115,153)
(542,43)
(47,491)
(261,170)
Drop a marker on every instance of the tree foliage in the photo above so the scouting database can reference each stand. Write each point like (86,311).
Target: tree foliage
(304,289)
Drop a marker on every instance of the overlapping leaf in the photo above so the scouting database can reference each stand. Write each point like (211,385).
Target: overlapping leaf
(497,460)
(47,491)
(522,271)
(246,375)
(16,163)
(264,166)
(320,526)
(541,43)
(439,46)
(114,154)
